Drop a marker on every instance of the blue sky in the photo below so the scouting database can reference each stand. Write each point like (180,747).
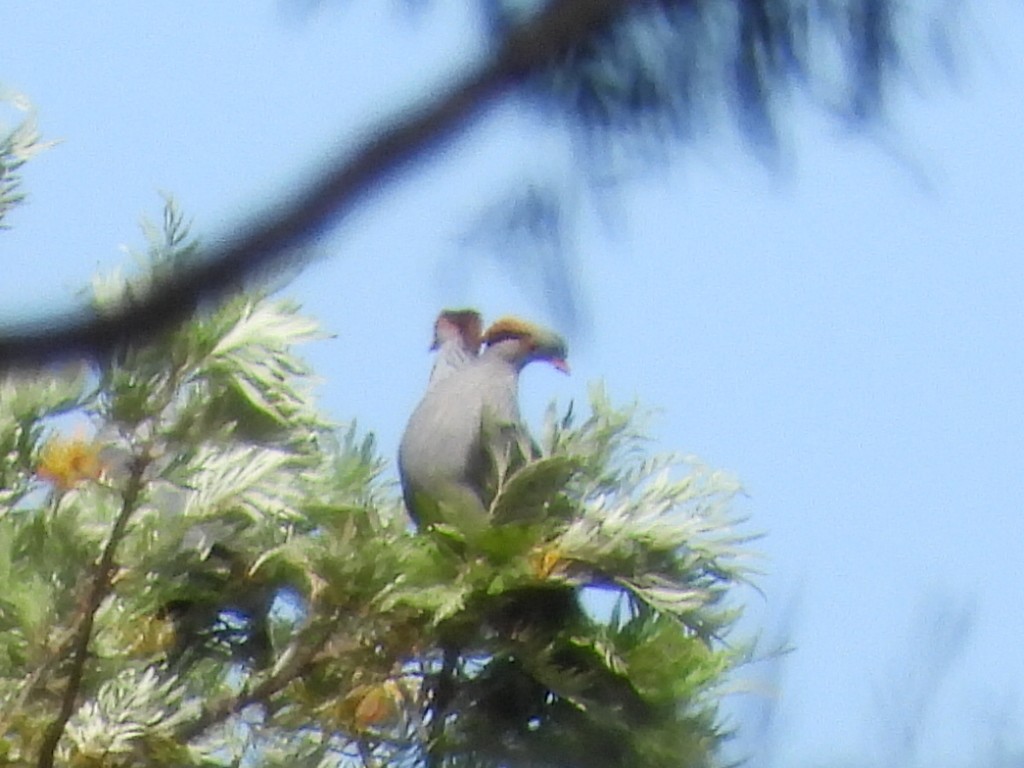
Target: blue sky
(846,335)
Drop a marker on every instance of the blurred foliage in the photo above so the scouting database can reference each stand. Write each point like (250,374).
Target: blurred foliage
(666,68)
(675,73)
(17,145)
(268,604)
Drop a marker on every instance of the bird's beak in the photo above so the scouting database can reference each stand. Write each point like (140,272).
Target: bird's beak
(560,365)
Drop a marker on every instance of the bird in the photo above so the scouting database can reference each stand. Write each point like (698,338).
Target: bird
(468,425)
(457,337)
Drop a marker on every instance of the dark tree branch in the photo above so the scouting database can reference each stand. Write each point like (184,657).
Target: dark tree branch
(444,690)
(272,240)
(98,590)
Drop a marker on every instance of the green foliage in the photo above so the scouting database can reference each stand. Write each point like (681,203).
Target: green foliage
(17,146)
(204,571)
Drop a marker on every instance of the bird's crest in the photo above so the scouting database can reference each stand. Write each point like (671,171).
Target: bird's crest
(545,343)
(510,327)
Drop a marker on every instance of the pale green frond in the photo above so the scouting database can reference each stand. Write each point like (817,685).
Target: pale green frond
(258,481)
(273,325)
(354,468)
(35,396)
(533,490)
(661,527)
(135,706)
(657,511)
(441,602)
(18,145)
(666,595)
(254,356)
(109,290)
(168,247)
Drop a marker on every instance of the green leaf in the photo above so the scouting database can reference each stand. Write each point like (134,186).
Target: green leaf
(530,493)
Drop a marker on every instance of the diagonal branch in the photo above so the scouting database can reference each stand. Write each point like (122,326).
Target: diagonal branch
(98,590)
(303,652)
(272,240)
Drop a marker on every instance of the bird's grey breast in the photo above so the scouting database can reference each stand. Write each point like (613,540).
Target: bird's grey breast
(443,433)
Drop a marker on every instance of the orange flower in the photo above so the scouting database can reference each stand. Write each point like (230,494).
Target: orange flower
(367,706)
(66,463)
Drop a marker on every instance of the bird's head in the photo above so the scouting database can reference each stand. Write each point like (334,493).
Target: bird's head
(526,342)
(462,325)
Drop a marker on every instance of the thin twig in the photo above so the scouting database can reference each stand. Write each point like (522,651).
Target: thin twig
(98,591)
(273,239)
(303,652)
(366,754)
